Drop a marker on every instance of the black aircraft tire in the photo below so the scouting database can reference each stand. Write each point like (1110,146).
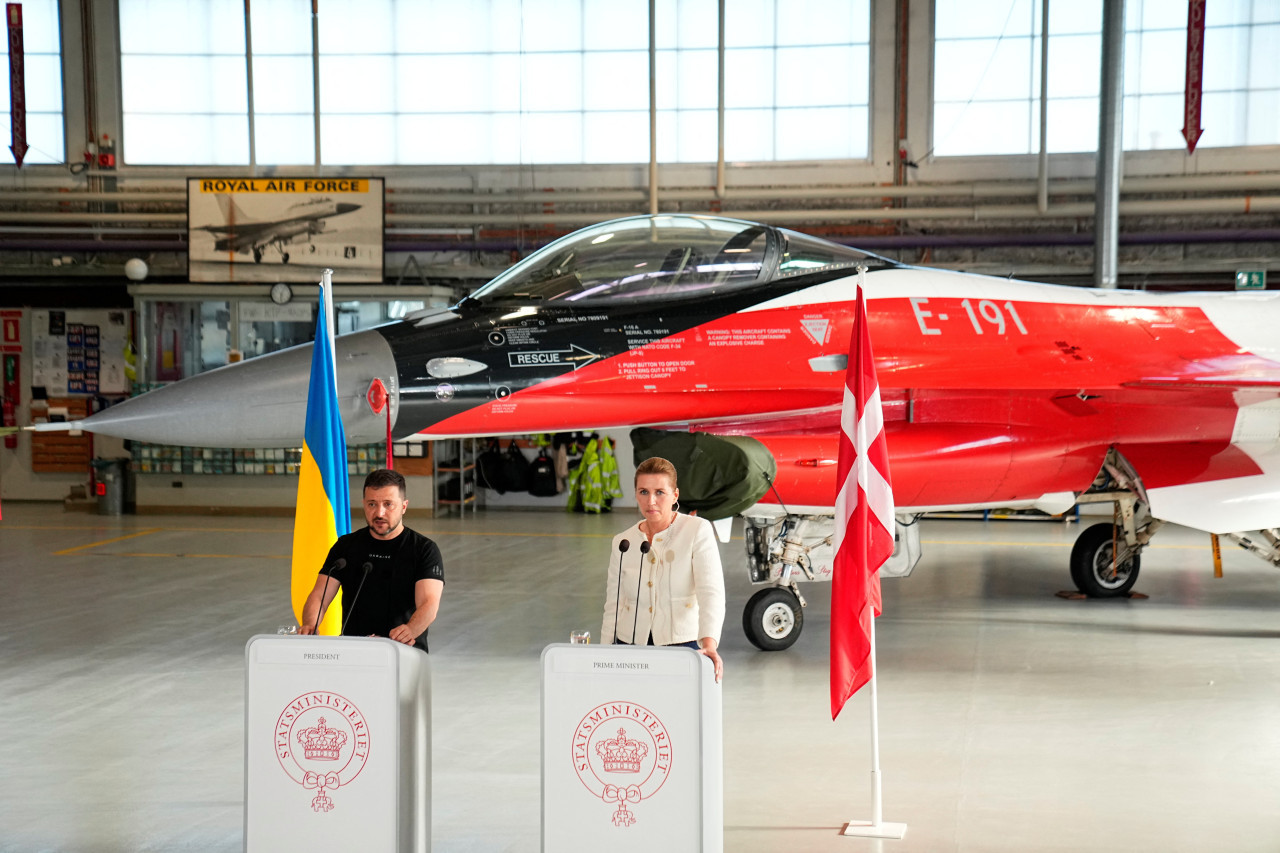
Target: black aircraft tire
(284,257)
(257,256)
(773,619)
(1091,564)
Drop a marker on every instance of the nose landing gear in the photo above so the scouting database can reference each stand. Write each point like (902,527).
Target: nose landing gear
(773,618)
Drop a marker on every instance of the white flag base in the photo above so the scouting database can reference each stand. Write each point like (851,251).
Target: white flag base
(876,827)
(867,829)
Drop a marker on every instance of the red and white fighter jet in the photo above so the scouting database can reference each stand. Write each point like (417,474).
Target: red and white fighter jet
(997,393)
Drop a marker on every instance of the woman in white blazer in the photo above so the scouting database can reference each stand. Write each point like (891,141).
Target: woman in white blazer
(674,594)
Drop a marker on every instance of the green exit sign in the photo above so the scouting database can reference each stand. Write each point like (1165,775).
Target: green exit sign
(1251,280)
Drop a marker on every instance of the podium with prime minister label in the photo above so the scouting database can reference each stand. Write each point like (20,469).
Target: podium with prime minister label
(631,750)
(337,745)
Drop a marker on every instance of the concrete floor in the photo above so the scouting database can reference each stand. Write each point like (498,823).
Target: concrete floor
(1011,720)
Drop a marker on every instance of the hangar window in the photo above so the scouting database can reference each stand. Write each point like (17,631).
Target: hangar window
(638,259)
(182,76)
(485,81)
(797,80)
(283,92)
(558,82)
(987,76)
(42,70)
(776,107)
(567,81)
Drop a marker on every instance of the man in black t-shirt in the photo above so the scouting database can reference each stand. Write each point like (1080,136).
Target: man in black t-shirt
(391,577)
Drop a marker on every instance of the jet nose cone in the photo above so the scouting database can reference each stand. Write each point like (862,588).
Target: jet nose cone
(261,402)
(347,208)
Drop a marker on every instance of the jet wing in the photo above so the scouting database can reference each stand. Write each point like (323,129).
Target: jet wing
(1250,502)
(243,230)
(242,237)
(1219,487)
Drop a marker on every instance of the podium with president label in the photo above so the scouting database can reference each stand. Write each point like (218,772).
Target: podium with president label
(337,745)
(631,750)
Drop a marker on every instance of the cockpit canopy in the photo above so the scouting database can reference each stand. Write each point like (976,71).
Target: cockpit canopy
(661,258)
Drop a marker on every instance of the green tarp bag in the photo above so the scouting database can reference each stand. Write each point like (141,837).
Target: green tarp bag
(719,475)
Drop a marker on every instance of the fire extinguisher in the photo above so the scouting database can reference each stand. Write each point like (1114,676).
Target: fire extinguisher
(9,416)
(106,153)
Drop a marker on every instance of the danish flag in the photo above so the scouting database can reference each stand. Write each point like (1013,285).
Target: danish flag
(864,519)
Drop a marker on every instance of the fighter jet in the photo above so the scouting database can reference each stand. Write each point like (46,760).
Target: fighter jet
(996,393)
(243,235)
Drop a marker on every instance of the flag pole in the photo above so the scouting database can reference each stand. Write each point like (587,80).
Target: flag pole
(877,793)
(877,827)
(326,291)
(323,510)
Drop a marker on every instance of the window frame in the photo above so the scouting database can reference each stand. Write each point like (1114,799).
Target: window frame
(878,151)
(1005,167)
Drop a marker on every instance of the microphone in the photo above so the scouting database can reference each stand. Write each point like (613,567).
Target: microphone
(644,549)
(366,568)
(617,598)
(338,565)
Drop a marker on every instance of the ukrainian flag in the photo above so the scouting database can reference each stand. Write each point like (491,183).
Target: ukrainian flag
(324,493)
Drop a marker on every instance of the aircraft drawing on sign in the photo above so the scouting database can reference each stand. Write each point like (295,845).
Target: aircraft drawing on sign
(996,393)
(242,234)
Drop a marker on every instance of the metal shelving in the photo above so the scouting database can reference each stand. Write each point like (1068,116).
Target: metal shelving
(453,469)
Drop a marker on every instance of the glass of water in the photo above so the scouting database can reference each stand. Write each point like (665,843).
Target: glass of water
(580,637)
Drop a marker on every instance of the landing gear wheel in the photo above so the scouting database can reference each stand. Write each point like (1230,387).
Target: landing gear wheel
(1091,568)
(257,256)
(772,619)
(284,257)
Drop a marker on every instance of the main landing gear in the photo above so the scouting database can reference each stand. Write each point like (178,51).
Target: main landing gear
(1107,556)
(1102,563)
(277,245)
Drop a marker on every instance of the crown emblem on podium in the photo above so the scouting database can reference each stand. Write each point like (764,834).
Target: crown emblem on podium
(621,755)
(320,742)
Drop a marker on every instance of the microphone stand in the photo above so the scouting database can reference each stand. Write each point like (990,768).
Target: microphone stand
(337,566)
(617,596)
(367,567)
(644,549)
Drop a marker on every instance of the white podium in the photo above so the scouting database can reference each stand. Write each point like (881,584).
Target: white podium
(631,750)
(337,745)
